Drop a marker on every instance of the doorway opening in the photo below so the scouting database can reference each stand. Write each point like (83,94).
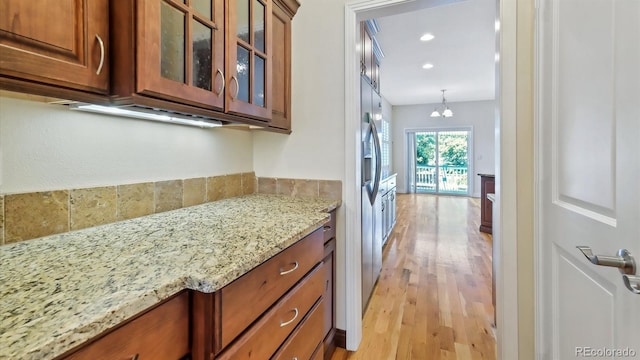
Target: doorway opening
(507,330)
(439,161)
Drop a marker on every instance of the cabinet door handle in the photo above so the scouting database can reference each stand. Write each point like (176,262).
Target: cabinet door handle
(285,272)
(135,357)
(235,96)
(295,316)
(101,43)
(218,71)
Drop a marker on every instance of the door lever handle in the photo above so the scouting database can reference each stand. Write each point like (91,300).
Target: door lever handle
(624,261)
(632,283)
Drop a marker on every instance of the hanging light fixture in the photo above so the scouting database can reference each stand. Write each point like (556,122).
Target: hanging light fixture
(446,112)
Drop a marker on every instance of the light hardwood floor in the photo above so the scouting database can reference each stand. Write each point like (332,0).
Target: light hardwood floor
(433,297)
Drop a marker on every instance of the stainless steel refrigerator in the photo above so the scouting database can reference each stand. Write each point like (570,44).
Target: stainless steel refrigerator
(371,115)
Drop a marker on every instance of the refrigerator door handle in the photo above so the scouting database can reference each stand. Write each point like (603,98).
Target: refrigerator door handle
(378,150)
(366,158)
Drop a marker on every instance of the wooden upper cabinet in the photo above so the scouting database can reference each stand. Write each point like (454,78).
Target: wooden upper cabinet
(376,74)
(180,51)
(57,42)
(281,61)
(249,45)
(366,59)
(370,54)
(207,58)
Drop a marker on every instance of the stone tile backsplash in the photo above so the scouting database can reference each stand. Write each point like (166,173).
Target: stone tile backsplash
(92,207)
(194,191)
(215,188)
(330,189)
(32,215)
(232,186)
(168,195)
(1,219)
(135,200)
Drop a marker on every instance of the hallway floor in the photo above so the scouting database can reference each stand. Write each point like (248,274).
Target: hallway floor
(433,297)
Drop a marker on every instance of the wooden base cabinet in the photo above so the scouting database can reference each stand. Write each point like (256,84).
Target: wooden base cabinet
(282,309)
(161,333)
(487,186)
(263,338)
(329,267)
(253,317)
(304,340)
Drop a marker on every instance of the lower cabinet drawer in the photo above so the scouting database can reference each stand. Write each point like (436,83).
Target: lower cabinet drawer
(304,341)
(319,353)
(161,333)
(263,338)
(249,296)
(330,227)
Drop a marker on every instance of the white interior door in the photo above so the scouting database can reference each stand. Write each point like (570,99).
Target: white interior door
(589,166)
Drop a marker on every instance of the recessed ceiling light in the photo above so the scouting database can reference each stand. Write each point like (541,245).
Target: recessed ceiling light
(427,37)
(427,66)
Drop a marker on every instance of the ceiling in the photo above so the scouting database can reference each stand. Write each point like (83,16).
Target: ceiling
(462,53)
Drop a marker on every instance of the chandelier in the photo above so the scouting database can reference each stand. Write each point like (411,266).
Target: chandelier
(446,112)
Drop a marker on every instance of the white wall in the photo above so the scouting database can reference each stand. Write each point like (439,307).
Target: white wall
(478,114)
(387,116)
(387,109)
(48,147)
(315,149)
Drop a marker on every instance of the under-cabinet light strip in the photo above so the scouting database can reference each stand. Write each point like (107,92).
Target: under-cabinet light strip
(146,115)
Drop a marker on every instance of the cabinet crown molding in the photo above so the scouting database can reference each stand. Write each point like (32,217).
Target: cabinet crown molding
(288,6)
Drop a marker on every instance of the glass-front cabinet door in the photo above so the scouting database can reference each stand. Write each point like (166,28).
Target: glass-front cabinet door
(249,58)
(181,51)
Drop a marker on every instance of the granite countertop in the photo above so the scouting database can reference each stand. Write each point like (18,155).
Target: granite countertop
(59,291)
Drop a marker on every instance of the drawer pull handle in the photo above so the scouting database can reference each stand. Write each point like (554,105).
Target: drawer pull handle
(295,316)
(327,227)
(135,357)
(285,272)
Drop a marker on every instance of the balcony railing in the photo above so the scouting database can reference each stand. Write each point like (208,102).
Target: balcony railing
(451,179)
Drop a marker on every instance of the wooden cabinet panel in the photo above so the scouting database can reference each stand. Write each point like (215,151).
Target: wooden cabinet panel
(329,287)
(266,284)
(57,42)
(304,341)
(319,354)
(329,313)
(367,52)
(161,333)
(487,185)
(249,45)
(268,333)
(281,69)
